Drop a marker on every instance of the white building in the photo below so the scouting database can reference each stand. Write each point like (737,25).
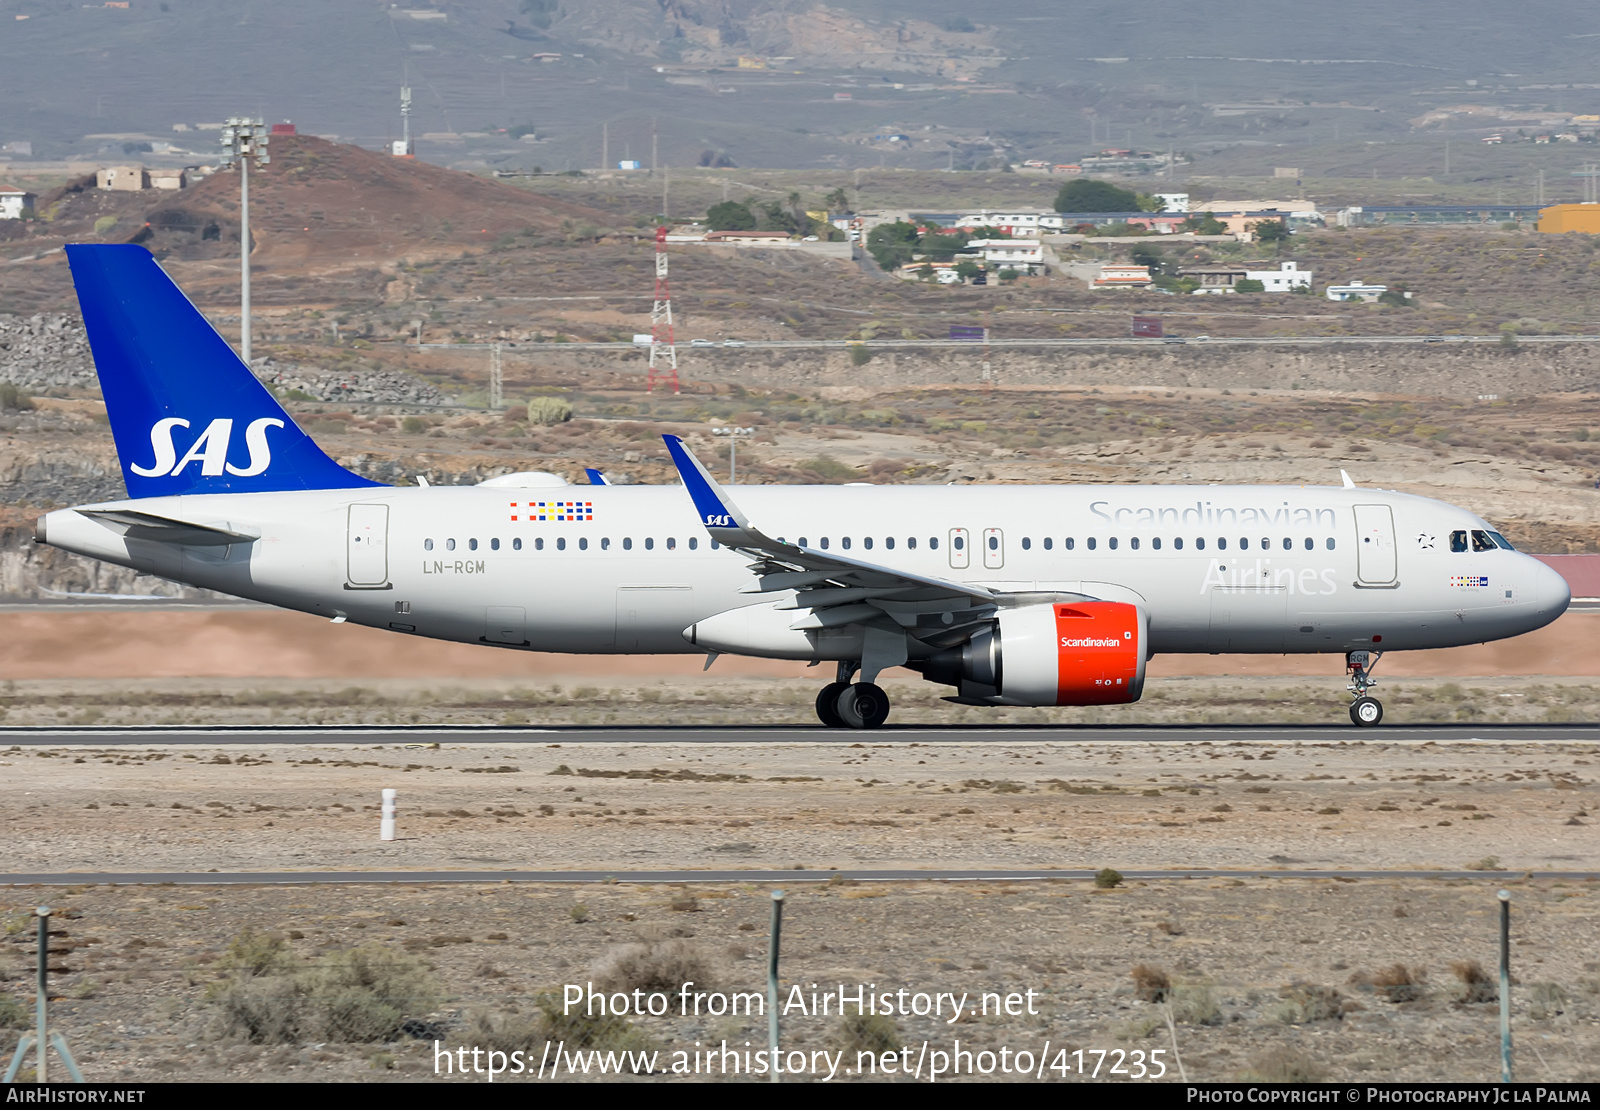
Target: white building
(1173,202)
(1285,279)
(13,201)
(1017,254)
(1015,222)
(1356,291)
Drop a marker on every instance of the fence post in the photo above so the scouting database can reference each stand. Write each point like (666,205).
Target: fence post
(386,821)
(772,983)
(1505,986)
(42,998)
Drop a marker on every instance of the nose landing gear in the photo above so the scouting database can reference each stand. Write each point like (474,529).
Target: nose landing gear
(1365,711)
(843,704)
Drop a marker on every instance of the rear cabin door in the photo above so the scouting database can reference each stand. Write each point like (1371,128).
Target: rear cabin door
(1375,547)
(367,547)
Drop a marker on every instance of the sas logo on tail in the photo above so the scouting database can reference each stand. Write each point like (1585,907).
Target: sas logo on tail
(210,450)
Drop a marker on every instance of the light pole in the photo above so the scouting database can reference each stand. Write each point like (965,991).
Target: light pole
(733,435)
(244,138)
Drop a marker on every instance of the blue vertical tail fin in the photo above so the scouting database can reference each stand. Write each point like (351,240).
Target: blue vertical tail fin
(187,414)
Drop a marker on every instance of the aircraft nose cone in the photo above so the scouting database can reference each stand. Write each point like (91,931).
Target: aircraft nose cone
(1552,595)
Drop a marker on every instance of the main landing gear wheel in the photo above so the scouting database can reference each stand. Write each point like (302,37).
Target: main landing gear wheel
(1366,712)
(827,704)
(862,705)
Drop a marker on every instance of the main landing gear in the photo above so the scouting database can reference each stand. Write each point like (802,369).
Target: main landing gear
(1365,711)
(843,704)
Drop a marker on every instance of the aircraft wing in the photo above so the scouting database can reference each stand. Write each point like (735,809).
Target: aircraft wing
(837,590)
(137,525)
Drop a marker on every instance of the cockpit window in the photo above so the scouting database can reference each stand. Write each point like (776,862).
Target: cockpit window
(1458,540)
(1483,541)
(1501,540)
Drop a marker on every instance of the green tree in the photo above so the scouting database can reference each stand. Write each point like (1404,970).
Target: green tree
(837,201)
(730,215)
(892,245)
(1270,231)
(1204,223)
(1249,285)
(1088,195)
(967,269)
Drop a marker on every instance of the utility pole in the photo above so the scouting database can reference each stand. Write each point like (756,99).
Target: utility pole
(243,139)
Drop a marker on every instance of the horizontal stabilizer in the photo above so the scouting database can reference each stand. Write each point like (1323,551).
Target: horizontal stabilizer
(135,525)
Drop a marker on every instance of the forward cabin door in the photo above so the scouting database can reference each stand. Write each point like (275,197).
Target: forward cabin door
(367,548)
(1375,547)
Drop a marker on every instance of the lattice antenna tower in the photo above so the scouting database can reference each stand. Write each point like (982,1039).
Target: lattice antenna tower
(663,351)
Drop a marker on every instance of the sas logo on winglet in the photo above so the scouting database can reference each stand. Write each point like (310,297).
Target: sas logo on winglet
(210,450)
(714,520)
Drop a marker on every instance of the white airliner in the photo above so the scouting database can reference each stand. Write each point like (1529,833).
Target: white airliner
(1011,595)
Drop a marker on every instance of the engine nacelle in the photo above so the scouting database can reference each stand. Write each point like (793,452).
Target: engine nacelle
(1067,653)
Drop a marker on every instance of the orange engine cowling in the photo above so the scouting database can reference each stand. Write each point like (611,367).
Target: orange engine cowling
(1067,653)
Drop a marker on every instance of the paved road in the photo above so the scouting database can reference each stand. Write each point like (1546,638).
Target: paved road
(1244,341)
(788,878)
(740,734)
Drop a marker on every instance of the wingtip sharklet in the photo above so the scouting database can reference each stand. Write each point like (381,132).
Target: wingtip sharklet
(717,511)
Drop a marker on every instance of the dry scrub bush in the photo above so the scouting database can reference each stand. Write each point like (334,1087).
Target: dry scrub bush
(549,410)
(576,1029)
(1283,1065)
(1150,984)
(13,1014)
(656,965)
(1195,1003)
(1546,1000)
(1474,983)
(275,997)
(1397,983)
(1302,1003)
(870,1033)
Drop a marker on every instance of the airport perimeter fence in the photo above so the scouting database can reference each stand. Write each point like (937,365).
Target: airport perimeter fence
(171,989)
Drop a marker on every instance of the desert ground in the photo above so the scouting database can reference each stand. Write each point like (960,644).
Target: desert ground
(1281,979)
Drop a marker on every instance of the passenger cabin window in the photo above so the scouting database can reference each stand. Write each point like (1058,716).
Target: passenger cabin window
(694,544)
(845,543)
(867,543)
(649,543)
(494,544)
(933,543)
(516,544)
(672,543)
(1069,543)
(888,542)
(1155,542)
(1048,543)
(583,543)
(1177,543)
(1222,543)
(427,545)
(1091,543)
(472,545)
(605,543)
(1330,543)
(449,545)
(1311,544)
(1027,544)
(1200,543)
(538,543)
(627,543)
(561,543)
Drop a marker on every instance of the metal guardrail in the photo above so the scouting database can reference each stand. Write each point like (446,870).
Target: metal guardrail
(885,344)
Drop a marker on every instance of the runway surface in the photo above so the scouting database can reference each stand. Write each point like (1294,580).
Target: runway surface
(790,877)
(1584,732)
